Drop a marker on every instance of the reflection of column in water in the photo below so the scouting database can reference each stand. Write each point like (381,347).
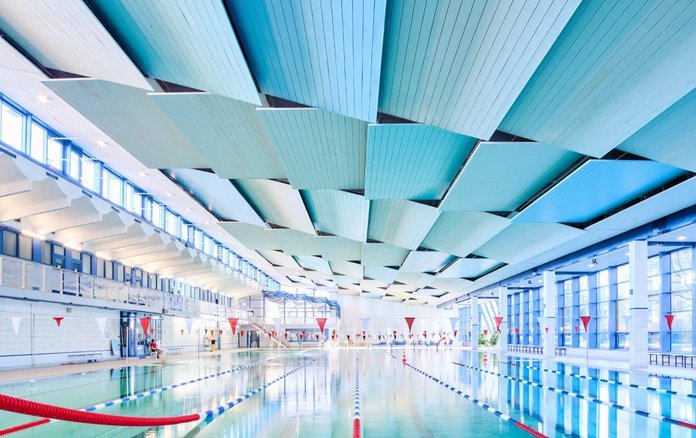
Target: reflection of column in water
(613,398)
(549,412)
(475,375)
(639,400)
(503,385)
(592,408)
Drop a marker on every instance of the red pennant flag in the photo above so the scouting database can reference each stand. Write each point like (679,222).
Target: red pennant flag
(379,337)
(394,334)
(233,325)
(317,336)
(577,329)
(348,337)
(455,333)
(206,331)
(517,330)
(425,334)
(321,322)
(152,331)
(546,329)
(498,321)
(670,320)
(585,321)
(145,323)
(409,322)
(302,335)
(241,333)
(485,332)
(182,332)
(286,335)
(58,320)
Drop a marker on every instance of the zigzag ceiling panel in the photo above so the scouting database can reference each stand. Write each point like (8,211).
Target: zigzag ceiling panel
(66,36)
(449,284)
(616,66)
(322,54)
(318,149)
(187,43)
(448,64)
(217,195)
(669,137)
(426,261)
(461,232)
(413,280)
(314,263)
(411,161)
(596,188)
(227,133)
(468,268)
(277,203)
(383,254)
(129,116)
(501,176)
(399,222)
(521,241)
(280,259)
(337,248)
(387,275)
(337,212)
(350,269)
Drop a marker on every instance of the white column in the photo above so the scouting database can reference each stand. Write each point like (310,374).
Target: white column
(549,297)
(638,303)
(502,311)
(475,321)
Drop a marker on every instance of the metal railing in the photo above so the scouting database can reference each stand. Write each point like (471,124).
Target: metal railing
(25,274)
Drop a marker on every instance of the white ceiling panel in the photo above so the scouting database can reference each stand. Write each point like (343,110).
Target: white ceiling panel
(383,254)
(65,35)
(387,275)
(130,117)
(468,268)
(461,232)
(279,259)
(426,261)
(338,212)
(399,222)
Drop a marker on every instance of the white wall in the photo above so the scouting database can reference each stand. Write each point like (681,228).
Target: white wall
(386,316)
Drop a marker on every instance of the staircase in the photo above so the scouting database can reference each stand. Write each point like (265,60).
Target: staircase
(261,325)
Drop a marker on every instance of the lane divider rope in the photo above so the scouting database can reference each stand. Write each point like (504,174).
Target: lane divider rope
(136,396)
(356,404)
(480,404)
(587,398)
(610,381)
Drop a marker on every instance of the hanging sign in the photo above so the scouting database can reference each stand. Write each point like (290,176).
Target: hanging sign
(58,320)
(670,320)
(233,324)
(409,322)
(585,321)
(498,321)
(321,322)
(145,323)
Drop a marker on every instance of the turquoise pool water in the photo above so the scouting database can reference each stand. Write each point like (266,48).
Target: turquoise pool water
(396,401)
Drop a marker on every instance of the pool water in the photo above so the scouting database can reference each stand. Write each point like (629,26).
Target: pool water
(396,401)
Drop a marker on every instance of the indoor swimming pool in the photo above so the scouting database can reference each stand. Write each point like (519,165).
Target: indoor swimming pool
(315,393)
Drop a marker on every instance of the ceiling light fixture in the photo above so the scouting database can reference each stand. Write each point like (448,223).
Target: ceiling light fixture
(592,264)
(169,195)
(682,238)
(143,174)
(43,99)
(101,143)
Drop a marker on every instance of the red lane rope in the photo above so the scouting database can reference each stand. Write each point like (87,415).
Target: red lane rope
(36,409)
(24,426)
(356,428)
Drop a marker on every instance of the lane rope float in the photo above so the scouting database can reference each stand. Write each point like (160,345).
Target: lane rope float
(356,404)
(587,398)
(136,396)
(609,381)
(480,404)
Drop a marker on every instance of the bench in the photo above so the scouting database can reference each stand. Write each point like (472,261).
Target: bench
(83,357)
(561,351)
(672,359)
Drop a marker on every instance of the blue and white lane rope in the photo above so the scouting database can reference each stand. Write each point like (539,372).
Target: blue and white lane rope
(357,430)
(587,398)
(478,403)
(610,381)
(154,391)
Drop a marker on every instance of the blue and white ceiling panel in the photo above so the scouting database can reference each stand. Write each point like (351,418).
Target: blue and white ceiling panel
(277,203)
(257,238)
(66,36)
(414,280)
(383,254)
(468,268)
(449,284)
(187,43)
(354,270)
(337,248)
(460,65)
(427,292)
(130,117)
(318,149)
(521,241)
(615,67)
(278,258)
(670,137)
(322,54)
(386,275)
(461,232)
(339,213)
(412,161)
(227,133)
(314,264)
(399,222)
(502,176)
(595,188)
(426,261)
(217,195)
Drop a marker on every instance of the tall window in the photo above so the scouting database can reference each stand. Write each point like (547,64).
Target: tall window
(112,187)
(54,154)
(682,277)
(603,295)
(89,174)
(623,291)
(37,143)
(73,167)
(567,313)
(11,126)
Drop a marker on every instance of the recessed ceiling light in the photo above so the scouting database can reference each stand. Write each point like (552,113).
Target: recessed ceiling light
(143,174)
(101,143)
(43,99)
(207,223)
(169,195)
(188,208)
(681,238)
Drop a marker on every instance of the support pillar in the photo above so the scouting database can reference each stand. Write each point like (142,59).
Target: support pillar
(502,311)
(638,304)
(475,323)
(549,293)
